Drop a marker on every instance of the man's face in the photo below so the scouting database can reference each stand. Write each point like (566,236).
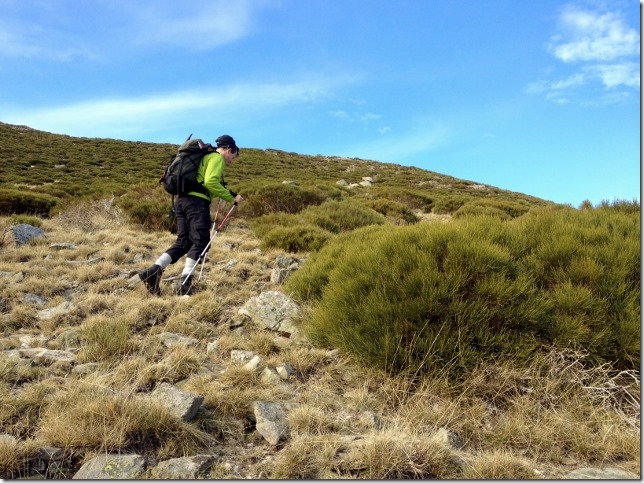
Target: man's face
(229,155)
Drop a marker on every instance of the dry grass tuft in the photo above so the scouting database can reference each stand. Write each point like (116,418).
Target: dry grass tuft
(307,457)
(10,458)
(394,455)
(95,418)
(499,465)
(91,216)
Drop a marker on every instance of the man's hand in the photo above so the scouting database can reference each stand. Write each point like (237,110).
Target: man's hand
(238,198)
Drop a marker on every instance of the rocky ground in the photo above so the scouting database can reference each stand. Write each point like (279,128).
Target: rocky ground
(229,361)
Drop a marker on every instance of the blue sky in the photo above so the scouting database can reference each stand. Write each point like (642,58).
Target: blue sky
(538,96)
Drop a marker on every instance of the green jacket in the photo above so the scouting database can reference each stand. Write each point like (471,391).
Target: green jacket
(211,174)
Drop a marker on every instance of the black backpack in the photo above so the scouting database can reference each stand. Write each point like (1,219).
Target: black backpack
(180,176)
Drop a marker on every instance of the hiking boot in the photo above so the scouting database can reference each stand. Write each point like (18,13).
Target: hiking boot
(151,277)
(185,285)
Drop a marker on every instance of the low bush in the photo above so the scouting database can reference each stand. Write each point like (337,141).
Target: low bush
(300,238)
(397,213)
(411,199)
(341,216)
(26,202)
(424,297)
(27,220)
(264,198)
(492,207)
(147,205)
(448,204)
(472,209)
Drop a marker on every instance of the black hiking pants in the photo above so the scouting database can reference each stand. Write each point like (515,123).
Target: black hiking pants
(193,227)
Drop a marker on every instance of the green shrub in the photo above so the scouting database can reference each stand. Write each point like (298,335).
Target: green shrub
(26,202)
(472,209)
(397,213)
(450,296)
(300,238)
(26,219)
(148,205)
(278,197)
(409,198)
(448,204)
(265,223)
(341,216)
(502,209)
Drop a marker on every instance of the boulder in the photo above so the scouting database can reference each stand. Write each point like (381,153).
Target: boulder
(186,468)
(271,310)
(23,233)
(182,404)
(600,474)
(112,467)
(271,421)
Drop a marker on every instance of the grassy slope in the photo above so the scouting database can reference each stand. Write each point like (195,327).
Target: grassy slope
(510,421)
(67,166)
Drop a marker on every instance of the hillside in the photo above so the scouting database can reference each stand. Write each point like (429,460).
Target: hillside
(64,166)
(227,383)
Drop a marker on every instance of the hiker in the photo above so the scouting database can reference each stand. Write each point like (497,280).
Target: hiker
(193,217)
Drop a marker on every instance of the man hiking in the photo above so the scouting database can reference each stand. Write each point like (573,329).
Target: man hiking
(193,217)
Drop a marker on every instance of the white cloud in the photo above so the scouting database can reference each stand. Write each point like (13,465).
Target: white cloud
(573,81)
(604,49)
(614,75)
(105,27)
(115,116)
(589,36)
(198,25)
(19,39)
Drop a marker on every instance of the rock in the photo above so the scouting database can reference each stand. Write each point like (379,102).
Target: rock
(212,347)
(187,468)
(253,364)
(270,376)
(23,233)
(87,368)
(342,182)
(63,246)
(272,310)
(171,340)
(180,403)
(48,460)
(271,423)
(112,467)
(69,338)
(47,355)
(283,267)
(228,266)
(34,299)
(238,355)
(285,371)
(28,340)
(61,309)
(600,474)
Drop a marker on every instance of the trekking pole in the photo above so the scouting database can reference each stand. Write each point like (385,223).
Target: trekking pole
(205,250)
(212,231)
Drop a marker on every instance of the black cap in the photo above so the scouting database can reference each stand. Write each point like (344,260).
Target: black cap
(226,141)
